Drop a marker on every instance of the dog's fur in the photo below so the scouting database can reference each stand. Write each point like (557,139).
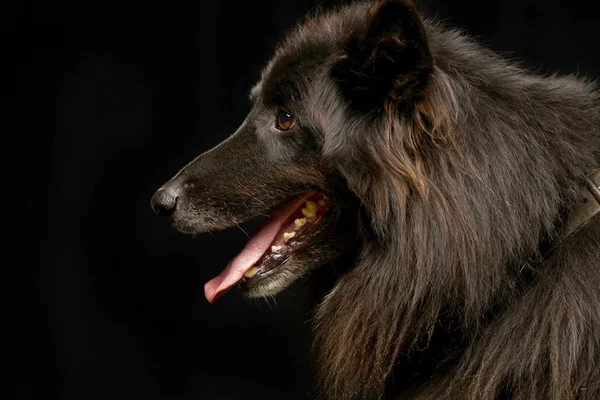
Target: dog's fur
(458,170)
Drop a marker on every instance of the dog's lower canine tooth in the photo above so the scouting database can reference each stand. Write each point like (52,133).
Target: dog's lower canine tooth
(275,249)
(251,272)
(287,236)
(299,223)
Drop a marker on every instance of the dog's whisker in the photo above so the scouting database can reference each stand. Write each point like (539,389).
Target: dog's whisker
(242,229)
(268,303)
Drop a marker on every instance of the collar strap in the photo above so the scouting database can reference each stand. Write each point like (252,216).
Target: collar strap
(587,210)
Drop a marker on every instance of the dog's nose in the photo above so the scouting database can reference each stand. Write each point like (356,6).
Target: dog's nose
(163,202)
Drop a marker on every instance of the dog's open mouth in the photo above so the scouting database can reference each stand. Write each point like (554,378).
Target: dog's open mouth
(289,228)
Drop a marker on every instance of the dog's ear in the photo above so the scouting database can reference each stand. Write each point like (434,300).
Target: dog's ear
(390,60)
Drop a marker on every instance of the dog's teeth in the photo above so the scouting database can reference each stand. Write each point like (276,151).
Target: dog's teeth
(288,236)
(275,249)
(299,223)
(325,197)
(251,272)
(322,202)
(310,211)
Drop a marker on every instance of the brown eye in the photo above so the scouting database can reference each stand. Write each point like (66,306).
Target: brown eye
(285,121)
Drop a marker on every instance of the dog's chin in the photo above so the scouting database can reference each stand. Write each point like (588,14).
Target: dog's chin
(276,280)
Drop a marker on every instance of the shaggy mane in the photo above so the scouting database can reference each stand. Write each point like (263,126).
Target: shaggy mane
(460,191)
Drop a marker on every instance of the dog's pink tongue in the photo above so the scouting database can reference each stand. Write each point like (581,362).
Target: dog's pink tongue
(256,247)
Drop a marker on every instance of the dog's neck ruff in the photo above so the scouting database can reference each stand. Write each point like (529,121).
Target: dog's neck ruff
(588,209)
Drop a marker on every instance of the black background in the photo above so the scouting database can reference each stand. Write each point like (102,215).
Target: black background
(112,99)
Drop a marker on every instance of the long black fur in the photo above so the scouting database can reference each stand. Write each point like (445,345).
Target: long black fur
(463,168)
(462,189)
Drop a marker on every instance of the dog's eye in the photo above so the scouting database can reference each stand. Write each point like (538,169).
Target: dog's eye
(285,121)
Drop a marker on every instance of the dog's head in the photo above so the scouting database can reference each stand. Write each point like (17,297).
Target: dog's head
(303,154)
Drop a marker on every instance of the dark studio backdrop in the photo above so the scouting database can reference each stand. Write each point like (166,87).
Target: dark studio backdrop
(121,96)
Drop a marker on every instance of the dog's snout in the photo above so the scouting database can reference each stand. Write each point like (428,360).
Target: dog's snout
(163,202)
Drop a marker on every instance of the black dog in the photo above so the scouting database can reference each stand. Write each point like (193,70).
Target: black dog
(447,179)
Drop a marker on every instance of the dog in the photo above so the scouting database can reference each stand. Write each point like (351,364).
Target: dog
(453,191)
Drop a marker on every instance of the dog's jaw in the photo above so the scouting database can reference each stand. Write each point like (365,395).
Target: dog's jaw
(259,267)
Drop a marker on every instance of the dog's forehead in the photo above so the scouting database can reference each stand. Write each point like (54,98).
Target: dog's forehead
(305,52)
(289,72)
